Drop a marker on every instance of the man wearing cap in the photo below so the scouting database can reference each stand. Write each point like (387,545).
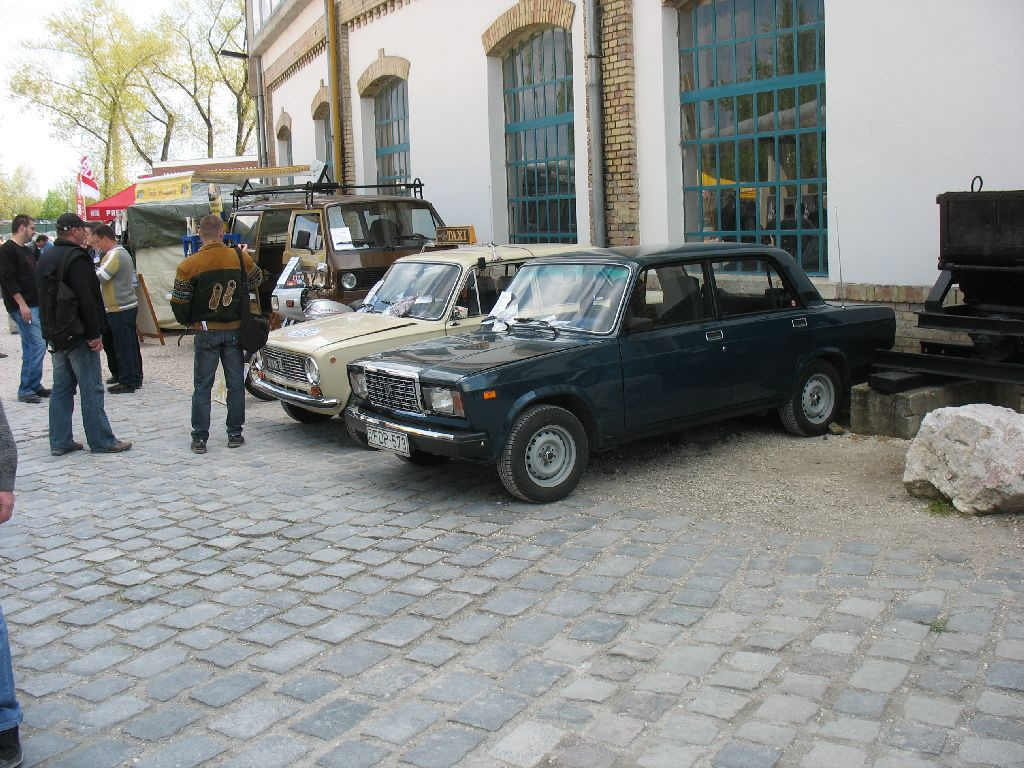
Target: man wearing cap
(18,286)
(77,362)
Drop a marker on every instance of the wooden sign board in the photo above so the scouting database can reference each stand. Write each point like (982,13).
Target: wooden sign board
(456,235)
(146,323)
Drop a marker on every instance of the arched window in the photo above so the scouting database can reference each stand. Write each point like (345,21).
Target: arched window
(753,124)
(391,132)
(323,137)
(539,143)
(284,150)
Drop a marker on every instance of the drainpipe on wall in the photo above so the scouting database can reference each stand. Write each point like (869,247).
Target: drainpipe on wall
(331,21)
(595,122)
(261,118)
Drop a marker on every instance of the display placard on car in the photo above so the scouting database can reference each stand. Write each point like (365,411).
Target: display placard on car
(456,235)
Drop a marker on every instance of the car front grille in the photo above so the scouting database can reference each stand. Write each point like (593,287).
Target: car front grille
(390,391)
(284,364)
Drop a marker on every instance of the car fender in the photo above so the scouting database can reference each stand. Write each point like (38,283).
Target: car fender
(576,398)
(832,355)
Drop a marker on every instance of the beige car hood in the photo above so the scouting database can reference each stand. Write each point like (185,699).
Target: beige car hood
(307,338)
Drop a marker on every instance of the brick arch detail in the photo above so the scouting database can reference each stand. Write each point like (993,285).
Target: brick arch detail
(377,74)
(522,20)
(283,125)
(321,105)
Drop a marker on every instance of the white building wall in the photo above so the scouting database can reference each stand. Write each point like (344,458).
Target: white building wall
(295,96)
(453,109)
(921,98)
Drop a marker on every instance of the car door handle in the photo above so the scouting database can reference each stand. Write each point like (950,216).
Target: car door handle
(800,322)
(714,335)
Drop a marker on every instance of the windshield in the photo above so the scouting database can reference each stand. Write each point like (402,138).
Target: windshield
(377,223)
(413,289)
(581,296)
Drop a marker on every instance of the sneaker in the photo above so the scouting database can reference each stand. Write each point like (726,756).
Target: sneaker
(119,446)
(112,380)
(43,392)
(71,449)
(234,441)
(3,355)
(10,749)
(198,446)
(120,389)
(33,398)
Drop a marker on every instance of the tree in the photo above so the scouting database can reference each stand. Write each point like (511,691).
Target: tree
(17,193)
(93,102)
(59,199)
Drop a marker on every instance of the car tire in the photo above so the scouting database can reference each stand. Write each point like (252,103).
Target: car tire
(304,416)
(545,455)
(252,390)
(814,402)
(359,438)
(424,459)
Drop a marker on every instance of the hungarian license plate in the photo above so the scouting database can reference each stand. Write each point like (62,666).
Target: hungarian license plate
(387,440)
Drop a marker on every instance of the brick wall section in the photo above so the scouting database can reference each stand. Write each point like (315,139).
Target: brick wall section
(348,142)
(622,195)
(358,13)
(522,19)
(382,70)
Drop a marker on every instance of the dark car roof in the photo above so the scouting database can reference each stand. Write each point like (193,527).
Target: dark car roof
(644,255)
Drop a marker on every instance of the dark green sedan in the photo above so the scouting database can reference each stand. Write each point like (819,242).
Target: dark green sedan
(587,350)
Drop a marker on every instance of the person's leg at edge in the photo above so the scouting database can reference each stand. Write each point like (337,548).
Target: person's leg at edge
(38,351)
(86,365)
(33,349)
(122,328)
(206,358)
(62,400)
(234,378)
(10,710)
(110,351)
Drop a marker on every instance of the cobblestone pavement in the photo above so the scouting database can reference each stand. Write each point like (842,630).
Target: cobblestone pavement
(299,602)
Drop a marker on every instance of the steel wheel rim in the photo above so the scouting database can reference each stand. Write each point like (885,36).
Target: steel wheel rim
(818,398)
(550,456)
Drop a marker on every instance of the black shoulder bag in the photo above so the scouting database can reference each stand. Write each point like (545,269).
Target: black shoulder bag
(254,329)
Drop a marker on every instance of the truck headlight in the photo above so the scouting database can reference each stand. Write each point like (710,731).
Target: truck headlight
(357,380)
(444,401)
(312,371)
(348,281)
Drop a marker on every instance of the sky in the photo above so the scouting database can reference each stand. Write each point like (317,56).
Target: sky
(24,135)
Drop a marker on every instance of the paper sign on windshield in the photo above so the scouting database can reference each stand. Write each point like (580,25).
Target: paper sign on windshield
(342,237)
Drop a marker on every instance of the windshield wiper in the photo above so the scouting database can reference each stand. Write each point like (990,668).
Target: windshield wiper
(527,322)
(371,243)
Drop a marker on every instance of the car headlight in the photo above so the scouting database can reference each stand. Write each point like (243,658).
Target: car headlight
(312,371)
(357,380)
(275,303)
(348,281)
(444,401)
(257,360)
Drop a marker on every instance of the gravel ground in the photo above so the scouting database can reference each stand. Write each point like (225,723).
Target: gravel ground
(749,471)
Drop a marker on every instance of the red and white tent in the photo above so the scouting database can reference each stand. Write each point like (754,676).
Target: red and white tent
(113,207)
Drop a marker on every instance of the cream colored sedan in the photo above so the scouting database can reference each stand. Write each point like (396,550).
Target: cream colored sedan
(420,297)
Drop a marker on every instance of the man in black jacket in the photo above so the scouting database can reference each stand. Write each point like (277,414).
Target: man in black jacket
(18,286)
(77,363)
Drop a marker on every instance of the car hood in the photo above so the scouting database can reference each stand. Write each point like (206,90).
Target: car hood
(452,357)
(307,338)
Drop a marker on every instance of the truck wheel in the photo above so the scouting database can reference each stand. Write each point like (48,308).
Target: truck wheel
(545,455)
(306,417)
(252,390)
(424,459)
(814,402)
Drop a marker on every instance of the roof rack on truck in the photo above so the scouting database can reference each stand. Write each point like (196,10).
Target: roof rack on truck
(324,186)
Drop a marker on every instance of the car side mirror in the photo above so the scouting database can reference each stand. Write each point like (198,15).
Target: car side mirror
(638,324)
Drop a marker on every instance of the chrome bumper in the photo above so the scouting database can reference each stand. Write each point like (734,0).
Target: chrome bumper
(308,402)
(474,446)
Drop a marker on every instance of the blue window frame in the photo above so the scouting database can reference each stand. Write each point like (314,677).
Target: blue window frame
(540,162)
(391,130)
(753,125)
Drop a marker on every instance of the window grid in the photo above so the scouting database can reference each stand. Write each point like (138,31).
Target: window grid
(753,112)
(539,142)
(391,131)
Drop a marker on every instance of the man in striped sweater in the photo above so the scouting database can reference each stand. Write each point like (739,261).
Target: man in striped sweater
(116,272)
(209,288)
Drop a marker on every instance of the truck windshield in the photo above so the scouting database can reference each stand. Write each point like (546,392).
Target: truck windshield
(376,223)
(574,296)
(413,289)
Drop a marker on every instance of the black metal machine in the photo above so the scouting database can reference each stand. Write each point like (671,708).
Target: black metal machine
(981,250)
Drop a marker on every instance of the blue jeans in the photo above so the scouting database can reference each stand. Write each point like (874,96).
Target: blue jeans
(126,344)
(78,366)
(212,347)
(33,350)
(10,712)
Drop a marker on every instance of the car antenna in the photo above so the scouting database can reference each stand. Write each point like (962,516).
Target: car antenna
(490,205)
(839,258)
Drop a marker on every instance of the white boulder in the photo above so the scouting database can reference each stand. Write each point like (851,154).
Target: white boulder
(972,455)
